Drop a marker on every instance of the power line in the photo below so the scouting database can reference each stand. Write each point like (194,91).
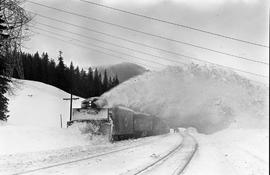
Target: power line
(149,34)
(131,48)
(239,70)
(175,24)
(113,44)
(98,51)
(123,39)
(204,61)
(105,48)
(108,35)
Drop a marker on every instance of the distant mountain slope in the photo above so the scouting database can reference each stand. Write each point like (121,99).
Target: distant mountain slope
(124,71)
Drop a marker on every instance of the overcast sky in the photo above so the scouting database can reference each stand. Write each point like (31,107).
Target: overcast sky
(243,19)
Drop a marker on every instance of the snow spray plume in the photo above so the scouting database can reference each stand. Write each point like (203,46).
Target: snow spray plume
(207,98)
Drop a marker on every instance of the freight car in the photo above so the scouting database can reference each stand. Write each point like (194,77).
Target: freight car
(129,124)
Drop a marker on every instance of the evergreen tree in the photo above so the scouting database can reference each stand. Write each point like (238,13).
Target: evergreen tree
(115,81)
(52,73)
(71,77)
(96,85)
(44,65)
(76,81)
(4,80)
(60,73)
(81,83)
(110,83)
(35,67)
(90,82)
(105,83)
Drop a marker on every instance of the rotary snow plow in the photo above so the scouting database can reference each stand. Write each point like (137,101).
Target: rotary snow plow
(117,122)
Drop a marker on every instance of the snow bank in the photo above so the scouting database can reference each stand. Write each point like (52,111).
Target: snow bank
(34,122)
(207,98)
(37,104)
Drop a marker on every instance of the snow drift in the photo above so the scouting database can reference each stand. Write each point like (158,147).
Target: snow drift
(34,122)
(34,103)
(204,97)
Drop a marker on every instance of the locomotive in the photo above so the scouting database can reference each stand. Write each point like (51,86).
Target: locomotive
(118,122)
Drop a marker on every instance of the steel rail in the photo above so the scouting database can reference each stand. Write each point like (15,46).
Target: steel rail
(179,170)
(83,159)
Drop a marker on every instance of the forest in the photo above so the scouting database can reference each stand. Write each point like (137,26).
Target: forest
(71,79)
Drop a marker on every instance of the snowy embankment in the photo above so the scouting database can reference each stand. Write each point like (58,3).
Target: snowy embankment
(229,112)
(34,122)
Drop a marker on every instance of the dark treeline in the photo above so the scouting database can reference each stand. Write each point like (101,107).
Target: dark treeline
(82,83)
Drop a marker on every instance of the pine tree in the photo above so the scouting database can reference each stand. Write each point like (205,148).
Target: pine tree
(71,77)
(90,82)
(4,80)
(115,81)
(105,83)
(52,73)
(44,65)
(60,72)
(96,85)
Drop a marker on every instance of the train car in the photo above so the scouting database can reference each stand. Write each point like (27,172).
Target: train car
(122,123)
(143,125)
(159,127)
(126,123)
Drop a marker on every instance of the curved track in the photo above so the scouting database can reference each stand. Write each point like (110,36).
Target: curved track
(122,148)
(178,152)
(176,161)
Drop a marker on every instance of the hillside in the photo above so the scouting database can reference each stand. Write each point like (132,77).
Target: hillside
(38,104)
(124,71)
(34,122)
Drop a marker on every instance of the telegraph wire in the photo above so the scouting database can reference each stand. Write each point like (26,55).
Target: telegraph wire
(110,43)
(149,34)
(123,39)
(137,50)
(89,48)
(108,35)
(239,70)
(105,48)
(173,23)
(149,46)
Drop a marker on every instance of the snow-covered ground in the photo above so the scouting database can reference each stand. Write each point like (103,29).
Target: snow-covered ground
(232,151)
(230,115)
(37,104)
(34,122)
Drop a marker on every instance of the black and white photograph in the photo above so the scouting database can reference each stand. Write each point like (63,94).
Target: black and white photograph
(134,87)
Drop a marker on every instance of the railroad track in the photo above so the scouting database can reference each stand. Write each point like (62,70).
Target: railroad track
(88,157)
(183,153)
(185,150)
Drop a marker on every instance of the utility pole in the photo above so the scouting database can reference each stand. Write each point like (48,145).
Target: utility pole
(70,107)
